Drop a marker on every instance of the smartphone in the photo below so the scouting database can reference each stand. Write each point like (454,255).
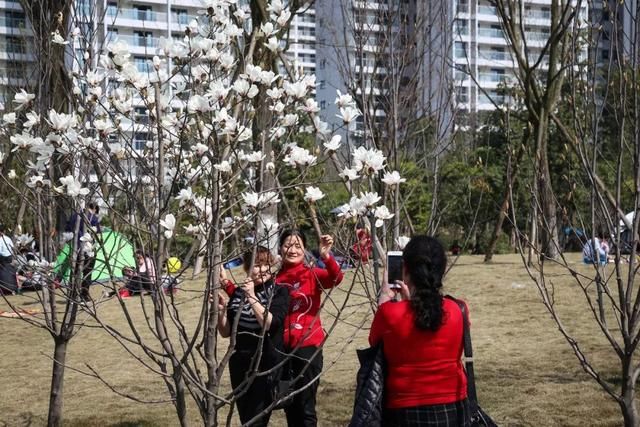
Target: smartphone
(236,262)
(394,267)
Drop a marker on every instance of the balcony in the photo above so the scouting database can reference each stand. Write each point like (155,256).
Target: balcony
(137,41)
(493,78)
(491,32)
(487,10)
(136,14)
(492,55)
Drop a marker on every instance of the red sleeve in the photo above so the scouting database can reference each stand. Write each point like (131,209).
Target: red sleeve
(331,276)
(229,287)
(378,328)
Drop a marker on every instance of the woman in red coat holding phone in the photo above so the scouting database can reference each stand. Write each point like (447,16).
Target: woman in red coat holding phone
(303,333)
(422,343)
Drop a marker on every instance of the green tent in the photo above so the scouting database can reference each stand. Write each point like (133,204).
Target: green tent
(113,252)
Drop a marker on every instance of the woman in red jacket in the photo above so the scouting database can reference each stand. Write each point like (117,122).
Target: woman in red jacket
(303,333)
(422,342)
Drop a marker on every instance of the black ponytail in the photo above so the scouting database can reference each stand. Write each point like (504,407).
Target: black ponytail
(425,260)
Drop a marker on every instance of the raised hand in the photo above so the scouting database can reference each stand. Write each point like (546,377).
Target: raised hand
(248,287)
(326,243)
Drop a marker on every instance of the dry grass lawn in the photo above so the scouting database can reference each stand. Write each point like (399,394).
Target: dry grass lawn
(526,373)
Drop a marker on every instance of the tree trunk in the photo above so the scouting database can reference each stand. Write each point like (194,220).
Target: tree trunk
(511,175)
(57,383)
(180,402)
(628,401)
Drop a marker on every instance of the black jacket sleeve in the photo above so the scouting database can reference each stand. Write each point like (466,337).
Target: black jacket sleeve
(278,308)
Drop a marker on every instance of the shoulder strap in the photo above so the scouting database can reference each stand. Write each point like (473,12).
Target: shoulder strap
(468,356)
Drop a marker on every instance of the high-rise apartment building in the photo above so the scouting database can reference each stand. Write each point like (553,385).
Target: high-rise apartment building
(16,49)
(481,58)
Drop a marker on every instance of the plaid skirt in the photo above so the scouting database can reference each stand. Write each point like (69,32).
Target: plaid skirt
(445,415)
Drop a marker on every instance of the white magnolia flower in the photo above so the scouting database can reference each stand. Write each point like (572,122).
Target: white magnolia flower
(256,200)
(9,118)
(58,39)
(66,236)
(402,241)
(368,161)
(11,174)
(334,144)
(169,222)
(299,156)
(382,214)
(61,121)
(275,6)
(283,18)
(38,181)
(348,114)
(310,106)
(200,149)
(198,103)
(290,120)
(268,29)
(370,198)
(272,44)
(393,178)
(74,187)
(349,174)
(22,99)
(296,90)
(344,100)
(270,166)
(224,166)
(192,229)
(313,194)
(254,157)
(33,119)
(185,196)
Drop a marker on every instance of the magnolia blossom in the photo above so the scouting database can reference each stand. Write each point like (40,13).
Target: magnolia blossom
(169,223)
(255,157)
(22,99)
(272,44)
(368,161)
(38,181)
(66,236)
(393,178)
(58,39)
(382,213)
(370,198)
(9,118)
(224,166)
(299,156)
(268,29)
(33,119)
(74,187)
(257,200)
(344,100)
(349,174)
(185,196)
(313,194)
(334,144)
(61,121)
(348,114)
(402,241)
(11,174)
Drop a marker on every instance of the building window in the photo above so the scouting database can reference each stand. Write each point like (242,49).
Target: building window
(323,104)
(181,16)
(144,13)
(322,84)
(112,9)
(143,38)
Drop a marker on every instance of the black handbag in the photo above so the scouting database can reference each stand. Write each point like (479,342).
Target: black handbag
(367,406)
(479,418)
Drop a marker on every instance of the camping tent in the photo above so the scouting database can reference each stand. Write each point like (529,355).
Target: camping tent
(113,252)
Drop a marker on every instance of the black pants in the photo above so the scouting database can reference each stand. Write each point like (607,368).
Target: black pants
(302,410)
(139,283)
(253,396)
(87,270)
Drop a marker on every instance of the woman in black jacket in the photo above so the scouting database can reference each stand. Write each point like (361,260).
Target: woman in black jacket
(261,306)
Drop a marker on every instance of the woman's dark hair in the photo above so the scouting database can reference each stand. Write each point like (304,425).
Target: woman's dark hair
(263,257)
(425,260)
(292,232)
